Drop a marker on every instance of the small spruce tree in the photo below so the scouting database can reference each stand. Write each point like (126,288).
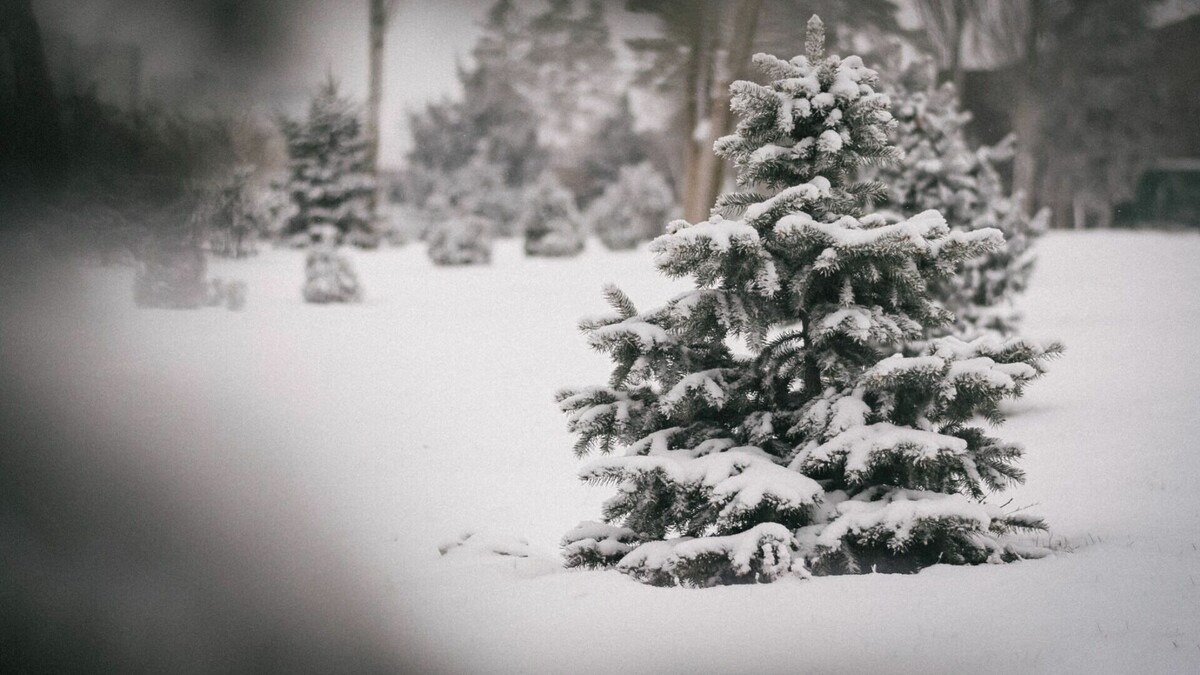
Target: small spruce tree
(329,178)
(813,446)
(614,145)
(461,240)
(940,170)
(633,208)
(550,221)
(328,275)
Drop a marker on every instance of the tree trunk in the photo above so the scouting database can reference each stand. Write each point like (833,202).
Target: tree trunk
(711,169)
(697,79)
(378,21)
(955,36)
(1027,119)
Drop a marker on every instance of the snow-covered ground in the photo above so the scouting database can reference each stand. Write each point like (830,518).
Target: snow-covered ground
(347,443)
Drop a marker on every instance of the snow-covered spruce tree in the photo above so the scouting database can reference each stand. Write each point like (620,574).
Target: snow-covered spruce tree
(329,178)
(328,275)
(940,170)
(550,221)
(819,449)
(632,209)
(461,240)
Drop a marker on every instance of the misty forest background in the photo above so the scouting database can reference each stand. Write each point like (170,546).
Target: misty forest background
(98,154)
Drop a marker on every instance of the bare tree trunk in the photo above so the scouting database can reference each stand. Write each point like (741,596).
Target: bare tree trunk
(1027,119)
(711,168)
(955,37)
(378,27)
(697,79)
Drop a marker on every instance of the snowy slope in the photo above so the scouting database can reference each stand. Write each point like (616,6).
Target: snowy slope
(357,439)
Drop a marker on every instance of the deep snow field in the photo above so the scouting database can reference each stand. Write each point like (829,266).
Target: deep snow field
(339,446)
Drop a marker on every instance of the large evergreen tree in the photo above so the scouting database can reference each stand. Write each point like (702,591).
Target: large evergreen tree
(329,175)
(494,120)
(615,145)
(572,69)
(940,170)
(813,447)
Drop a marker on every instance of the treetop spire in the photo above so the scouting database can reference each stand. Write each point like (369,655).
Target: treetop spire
(814,41)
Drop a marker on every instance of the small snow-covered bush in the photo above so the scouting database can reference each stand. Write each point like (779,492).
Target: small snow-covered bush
(550,220)
(595,545)
(329,276)
(230,293)
(633,209)
(460,241)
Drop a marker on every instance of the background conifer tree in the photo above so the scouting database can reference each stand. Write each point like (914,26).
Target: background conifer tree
(494,121)
(614,145)
(632,209)
(329,177)
(813,446)
(940,170)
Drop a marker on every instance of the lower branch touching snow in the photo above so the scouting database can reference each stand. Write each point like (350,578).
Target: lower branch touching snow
(595,545)
(928,527)
(763,553)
